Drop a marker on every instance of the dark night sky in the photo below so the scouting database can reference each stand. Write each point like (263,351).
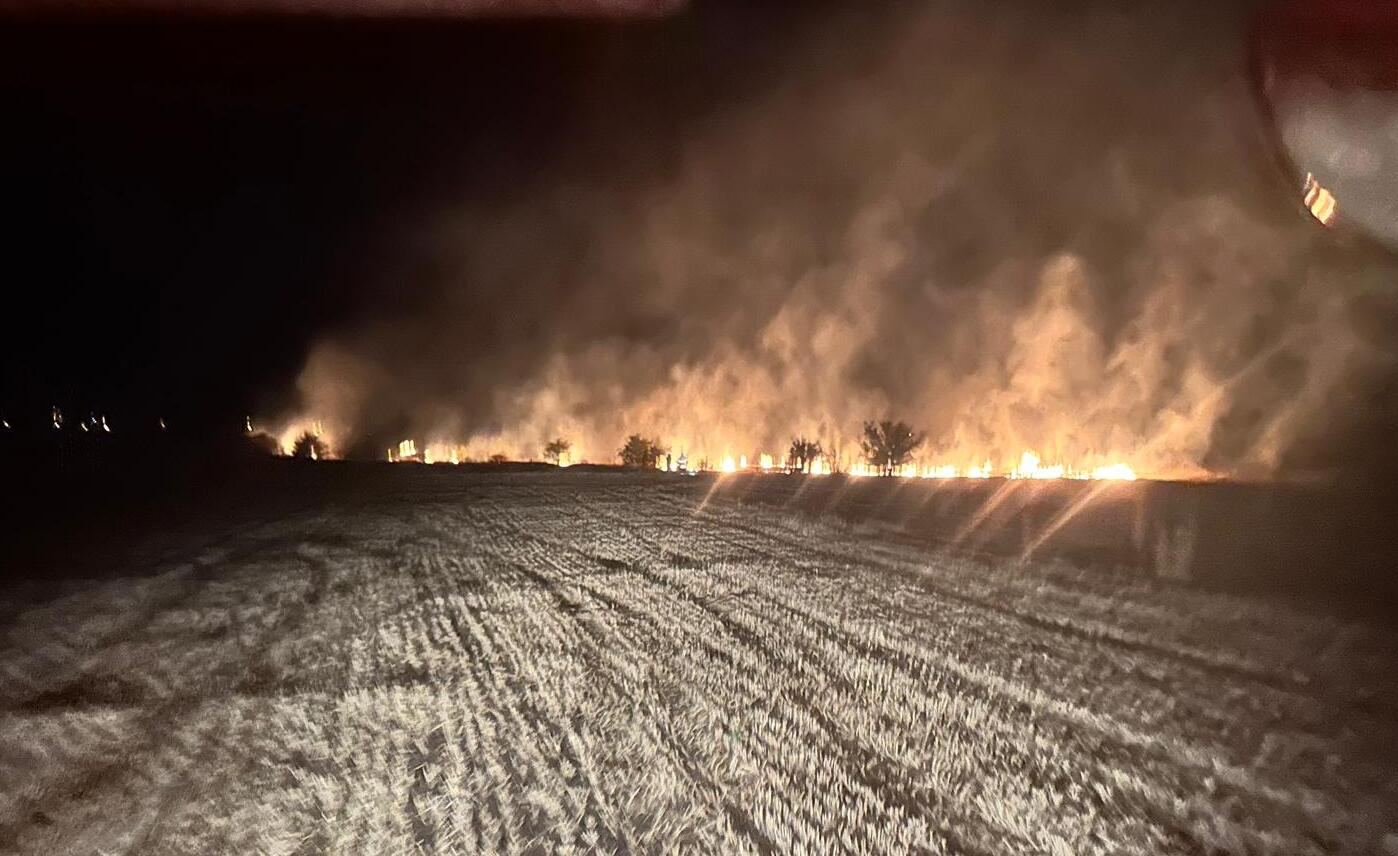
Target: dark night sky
(187,204)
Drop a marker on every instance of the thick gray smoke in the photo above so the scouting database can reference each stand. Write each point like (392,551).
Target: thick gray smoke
(1015,227)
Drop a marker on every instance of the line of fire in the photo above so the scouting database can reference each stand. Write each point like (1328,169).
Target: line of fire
(878,456)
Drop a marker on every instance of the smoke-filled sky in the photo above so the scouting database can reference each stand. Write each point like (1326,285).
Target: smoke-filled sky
(1014,226)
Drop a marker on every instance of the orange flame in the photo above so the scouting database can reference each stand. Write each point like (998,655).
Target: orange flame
(1028,466)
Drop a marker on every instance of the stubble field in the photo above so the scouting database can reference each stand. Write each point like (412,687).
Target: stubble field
(588,663)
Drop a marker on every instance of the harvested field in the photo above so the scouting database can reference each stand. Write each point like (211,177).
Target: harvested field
(1324,545)
(578,662)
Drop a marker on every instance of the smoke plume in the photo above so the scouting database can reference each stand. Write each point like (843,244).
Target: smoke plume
(1014,227)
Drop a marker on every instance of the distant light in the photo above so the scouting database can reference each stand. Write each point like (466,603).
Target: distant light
(1320,201)
(162,424)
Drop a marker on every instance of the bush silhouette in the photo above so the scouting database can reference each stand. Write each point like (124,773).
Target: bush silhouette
(640,452)
(889,445)
(310,446)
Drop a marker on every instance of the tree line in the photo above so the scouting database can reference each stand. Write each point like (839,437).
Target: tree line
(887,445)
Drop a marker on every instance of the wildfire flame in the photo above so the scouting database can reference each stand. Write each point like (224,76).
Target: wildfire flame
(1029,465)
(681,457)
(292,431)
(1114,472)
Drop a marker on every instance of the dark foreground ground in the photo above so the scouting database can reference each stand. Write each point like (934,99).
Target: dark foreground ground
(386,659)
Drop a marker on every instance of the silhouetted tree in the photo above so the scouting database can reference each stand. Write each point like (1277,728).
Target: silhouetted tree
(499,458)
(309,445)
(640,452)
(889,445)
(556,450)
(802,454)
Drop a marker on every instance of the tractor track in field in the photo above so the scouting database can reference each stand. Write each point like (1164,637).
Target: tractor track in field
(597,664)
(1143,749)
